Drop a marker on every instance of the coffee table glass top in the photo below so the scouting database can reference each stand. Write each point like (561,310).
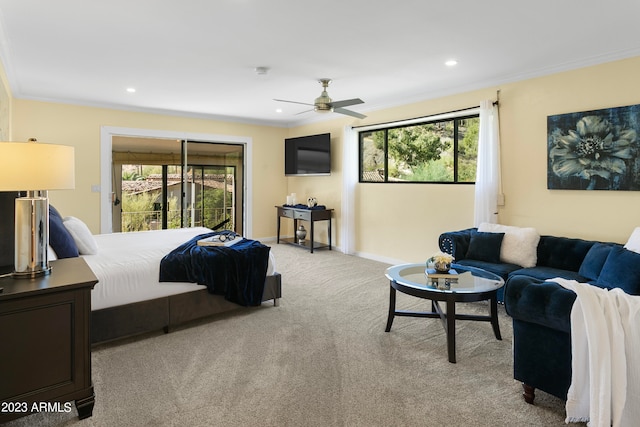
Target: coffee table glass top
(470,279)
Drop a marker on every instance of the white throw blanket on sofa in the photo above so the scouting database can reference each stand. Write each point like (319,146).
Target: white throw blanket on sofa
(605,345)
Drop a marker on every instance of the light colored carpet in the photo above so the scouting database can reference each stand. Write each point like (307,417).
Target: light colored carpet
(321,358)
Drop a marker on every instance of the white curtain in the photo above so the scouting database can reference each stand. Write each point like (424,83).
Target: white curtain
(488,165)
(349,182)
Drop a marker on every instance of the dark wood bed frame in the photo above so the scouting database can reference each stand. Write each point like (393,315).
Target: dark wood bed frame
(166,313)
(137,318)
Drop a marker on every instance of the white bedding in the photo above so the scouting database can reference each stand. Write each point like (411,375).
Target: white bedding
(128,266)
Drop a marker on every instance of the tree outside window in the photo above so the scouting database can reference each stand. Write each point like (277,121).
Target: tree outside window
(434,152)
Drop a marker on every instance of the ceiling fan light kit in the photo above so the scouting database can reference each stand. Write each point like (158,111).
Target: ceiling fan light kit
(324,103)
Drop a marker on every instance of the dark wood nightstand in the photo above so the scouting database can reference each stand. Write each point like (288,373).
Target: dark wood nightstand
(45,361)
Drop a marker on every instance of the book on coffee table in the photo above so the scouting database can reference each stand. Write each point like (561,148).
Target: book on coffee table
(433,274)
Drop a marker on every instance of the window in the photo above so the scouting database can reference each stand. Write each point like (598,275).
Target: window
(440,151)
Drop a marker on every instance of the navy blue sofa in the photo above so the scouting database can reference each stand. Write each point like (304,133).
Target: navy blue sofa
(556,257)
(541,310)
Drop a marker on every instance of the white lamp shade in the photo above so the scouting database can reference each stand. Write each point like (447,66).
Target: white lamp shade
(26,166)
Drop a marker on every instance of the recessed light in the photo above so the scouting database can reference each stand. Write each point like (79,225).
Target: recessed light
(131,89)
(451,63)
(278,110)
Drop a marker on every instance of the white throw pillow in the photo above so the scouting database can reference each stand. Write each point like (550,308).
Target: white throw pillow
(51,254)
(81,235)
(519,245)
(633,244)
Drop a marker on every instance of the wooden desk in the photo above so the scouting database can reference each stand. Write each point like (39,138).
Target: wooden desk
(309,215)
(45,362)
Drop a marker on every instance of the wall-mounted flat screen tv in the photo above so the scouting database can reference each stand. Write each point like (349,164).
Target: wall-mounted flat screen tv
(308,155)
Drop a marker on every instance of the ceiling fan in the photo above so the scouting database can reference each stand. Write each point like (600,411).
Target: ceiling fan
(324,104)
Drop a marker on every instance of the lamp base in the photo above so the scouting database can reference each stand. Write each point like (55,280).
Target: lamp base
(31,274)
(31,236)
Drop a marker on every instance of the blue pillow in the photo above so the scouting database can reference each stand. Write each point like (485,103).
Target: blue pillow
(594,261)
(485,246)
(59,237)
(621,270)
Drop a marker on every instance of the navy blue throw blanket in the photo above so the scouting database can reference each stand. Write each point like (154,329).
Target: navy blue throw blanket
(238,272)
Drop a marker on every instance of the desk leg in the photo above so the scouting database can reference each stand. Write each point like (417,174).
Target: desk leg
(451,329)
(278,231)
(329,233)
(392,308)
(494,317)
(312,230)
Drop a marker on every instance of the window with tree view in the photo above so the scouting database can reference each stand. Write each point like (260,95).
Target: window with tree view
(433,152)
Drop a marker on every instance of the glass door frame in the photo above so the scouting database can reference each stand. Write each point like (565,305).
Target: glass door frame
(107,190)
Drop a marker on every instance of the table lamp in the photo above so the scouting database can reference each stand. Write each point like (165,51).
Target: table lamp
(35,168)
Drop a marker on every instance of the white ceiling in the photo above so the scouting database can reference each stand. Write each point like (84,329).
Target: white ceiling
(198,57)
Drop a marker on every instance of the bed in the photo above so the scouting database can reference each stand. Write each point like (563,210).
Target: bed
(129,299)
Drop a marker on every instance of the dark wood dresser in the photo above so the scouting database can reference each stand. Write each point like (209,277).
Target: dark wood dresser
(45,345)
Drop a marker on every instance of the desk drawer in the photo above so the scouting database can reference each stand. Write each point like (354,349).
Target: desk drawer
(286,212)
(305,216)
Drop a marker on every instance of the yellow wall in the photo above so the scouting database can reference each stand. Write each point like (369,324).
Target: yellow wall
(394,222)
(403,221)
(80,127)
(5,106)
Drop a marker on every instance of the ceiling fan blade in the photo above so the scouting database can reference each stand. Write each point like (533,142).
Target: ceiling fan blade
(293,102)
(349,113)
(302,112)
(347,102)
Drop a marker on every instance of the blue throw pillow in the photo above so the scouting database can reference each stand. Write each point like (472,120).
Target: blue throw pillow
(59,237)
(594,260)
(485,246)
(621,270)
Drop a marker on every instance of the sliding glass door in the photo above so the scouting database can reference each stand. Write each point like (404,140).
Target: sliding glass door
(173,184)
(210,197)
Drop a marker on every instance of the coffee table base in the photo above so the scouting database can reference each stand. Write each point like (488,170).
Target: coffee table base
(448,318)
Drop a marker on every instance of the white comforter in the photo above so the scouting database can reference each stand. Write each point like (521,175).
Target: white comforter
(128,266)
(605,340)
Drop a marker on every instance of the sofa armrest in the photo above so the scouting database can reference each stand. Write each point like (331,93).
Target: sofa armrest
(456,243)
(536,301)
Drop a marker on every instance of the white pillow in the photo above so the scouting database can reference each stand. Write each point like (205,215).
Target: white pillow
(519,245)
(81,235)
(51,254)
(633,244)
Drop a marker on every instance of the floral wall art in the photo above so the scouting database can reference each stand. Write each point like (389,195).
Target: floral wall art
(594,150)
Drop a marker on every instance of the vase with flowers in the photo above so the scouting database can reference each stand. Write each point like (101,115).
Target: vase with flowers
(441,261)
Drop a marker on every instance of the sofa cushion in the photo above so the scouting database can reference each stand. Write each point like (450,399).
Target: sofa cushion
(594,260)
(485,246)
(633,244)
(562,252)
(501,269)
(621,270)
(519,245)
(544,273)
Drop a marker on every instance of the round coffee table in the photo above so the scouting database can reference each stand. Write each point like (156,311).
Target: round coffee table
(470,284)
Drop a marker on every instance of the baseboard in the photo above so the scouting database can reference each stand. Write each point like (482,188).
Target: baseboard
(374,257)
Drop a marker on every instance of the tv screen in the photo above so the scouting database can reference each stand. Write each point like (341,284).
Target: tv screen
(308,155)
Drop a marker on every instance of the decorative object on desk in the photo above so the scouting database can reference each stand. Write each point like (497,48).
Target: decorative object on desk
(291,199)
(312,202)
(301,233)
(35,168)
(441,261)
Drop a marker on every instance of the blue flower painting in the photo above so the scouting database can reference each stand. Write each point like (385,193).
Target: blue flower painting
(594,150)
